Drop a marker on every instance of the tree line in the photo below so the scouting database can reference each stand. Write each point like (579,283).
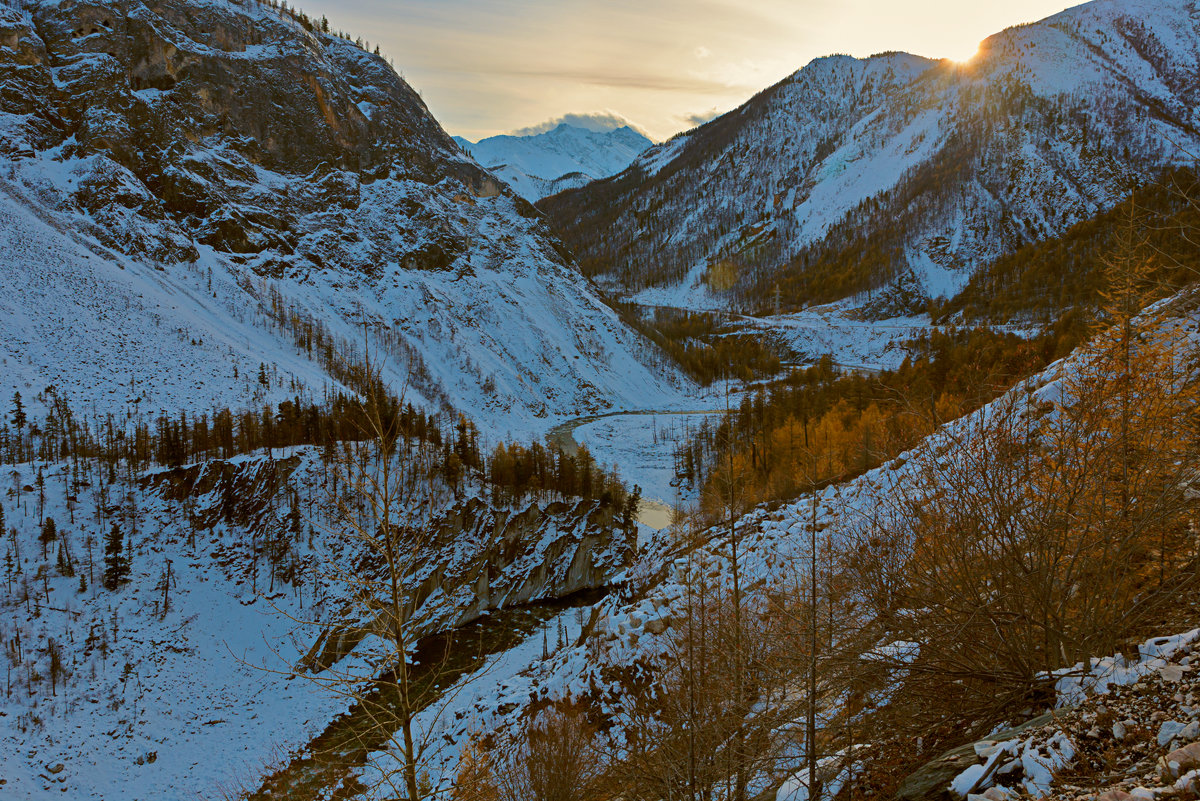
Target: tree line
(1048,278)
(514,470)
(854,422)
(702,344)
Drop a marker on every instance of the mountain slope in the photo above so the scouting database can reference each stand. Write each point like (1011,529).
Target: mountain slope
(642,636)
(853,174)
(194,188)
(564,157)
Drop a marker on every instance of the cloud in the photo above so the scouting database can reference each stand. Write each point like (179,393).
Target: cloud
(488,66)
(699,118)
(663,81)
(596,121)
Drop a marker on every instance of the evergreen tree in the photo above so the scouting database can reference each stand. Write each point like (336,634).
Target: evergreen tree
(18,415)
(65,568)
(49,534)
(9,569)
(116,565)
(629,520)
(295,523)
(630,510)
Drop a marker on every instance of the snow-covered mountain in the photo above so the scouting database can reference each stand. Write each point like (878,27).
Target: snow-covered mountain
(195,188)
(565,157)
(856,174)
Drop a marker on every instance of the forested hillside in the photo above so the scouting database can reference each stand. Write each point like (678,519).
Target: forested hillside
(968,595)
(1045,280)
(843,448)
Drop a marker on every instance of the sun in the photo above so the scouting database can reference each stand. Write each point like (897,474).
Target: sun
(967,56)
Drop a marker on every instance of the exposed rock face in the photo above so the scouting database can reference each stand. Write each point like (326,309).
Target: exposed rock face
(483,559)
(475,558)
(183,102)
(239,492)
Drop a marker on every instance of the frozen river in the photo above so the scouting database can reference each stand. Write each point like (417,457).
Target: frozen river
(642,445)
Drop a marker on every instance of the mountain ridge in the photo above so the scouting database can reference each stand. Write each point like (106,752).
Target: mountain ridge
(225,153)
(831,190)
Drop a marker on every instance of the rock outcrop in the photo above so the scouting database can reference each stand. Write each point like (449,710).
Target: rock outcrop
(482,559)
(236,492)
(177,106)
(474,558)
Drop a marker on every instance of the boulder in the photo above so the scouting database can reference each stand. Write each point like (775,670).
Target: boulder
(1180,761)
(931,782)
(1169,730)
(1115,795)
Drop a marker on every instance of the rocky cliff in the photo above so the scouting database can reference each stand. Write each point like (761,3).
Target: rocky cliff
(483,559)
(247,171)
(475,557)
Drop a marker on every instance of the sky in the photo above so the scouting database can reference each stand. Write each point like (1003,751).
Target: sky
(486,67)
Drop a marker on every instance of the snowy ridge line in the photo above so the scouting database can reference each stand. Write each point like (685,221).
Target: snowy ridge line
(459,271)
(566,156)
(943,166)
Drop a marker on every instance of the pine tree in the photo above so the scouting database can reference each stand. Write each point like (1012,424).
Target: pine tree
(295,523)
(65,568)
(164,586)
(9,569)
(18,415)
(57,669)
(49,534)
(629,521)
(116,565)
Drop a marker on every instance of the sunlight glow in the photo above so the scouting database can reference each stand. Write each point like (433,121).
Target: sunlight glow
(967,57)
(487,67)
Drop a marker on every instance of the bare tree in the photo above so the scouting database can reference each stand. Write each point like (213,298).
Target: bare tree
(382,507)
(555,758)
(1046,530)
(698,723)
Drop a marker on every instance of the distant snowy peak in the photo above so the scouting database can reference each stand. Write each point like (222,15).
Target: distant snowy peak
(564,157)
